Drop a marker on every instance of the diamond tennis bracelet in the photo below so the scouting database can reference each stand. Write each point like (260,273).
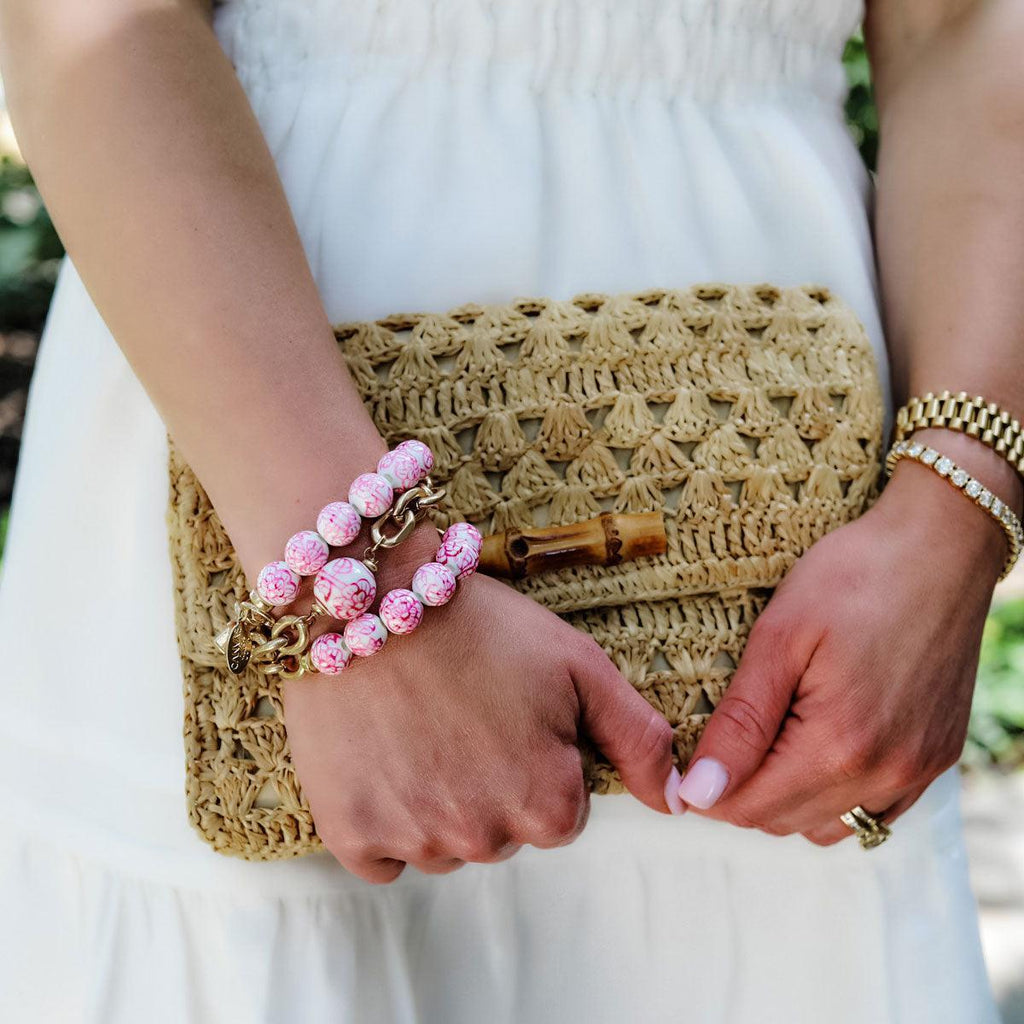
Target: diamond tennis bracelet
(963,481)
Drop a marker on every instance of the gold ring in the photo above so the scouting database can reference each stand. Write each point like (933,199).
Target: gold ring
(869,830)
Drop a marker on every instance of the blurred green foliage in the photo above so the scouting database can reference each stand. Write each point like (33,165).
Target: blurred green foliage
(861,114)
(997,718)
(30,252)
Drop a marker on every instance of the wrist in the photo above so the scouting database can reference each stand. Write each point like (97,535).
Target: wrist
(260,523)
(387,493)
(981,461)
(950,524)
(396,565)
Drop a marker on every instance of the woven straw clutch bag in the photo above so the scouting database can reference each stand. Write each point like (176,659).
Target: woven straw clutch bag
(751,416)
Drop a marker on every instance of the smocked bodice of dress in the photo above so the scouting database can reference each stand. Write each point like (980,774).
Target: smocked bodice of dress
(701,48)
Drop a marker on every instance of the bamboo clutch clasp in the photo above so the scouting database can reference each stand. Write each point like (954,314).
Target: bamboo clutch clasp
(607,539)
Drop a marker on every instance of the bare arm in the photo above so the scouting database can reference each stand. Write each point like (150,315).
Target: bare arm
(949,217)
(855,686)
(161,185)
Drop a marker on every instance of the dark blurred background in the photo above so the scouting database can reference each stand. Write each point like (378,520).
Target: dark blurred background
(30,252)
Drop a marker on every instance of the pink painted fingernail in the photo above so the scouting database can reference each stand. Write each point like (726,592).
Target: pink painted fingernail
(675,805)
(704,783)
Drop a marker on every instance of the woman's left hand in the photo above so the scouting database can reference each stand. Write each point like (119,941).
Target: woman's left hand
(855,685)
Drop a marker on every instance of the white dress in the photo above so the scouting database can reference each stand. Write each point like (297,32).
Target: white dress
(436,152)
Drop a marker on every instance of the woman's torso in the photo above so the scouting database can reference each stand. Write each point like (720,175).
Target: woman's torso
(434,152)
(443,151)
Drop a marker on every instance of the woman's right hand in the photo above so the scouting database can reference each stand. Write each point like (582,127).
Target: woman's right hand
(458,742)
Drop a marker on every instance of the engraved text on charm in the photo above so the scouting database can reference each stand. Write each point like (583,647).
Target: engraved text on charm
(239,649)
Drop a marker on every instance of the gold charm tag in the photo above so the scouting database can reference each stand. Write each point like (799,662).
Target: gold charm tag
(221,639)
(239,647)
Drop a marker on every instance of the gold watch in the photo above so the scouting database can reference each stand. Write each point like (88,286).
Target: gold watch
(971,415)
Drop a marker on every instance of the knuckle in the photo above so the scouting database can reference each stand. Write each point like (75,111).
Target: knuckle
(343,846)
(589,650)
(555,824)
(743,819)
(945,754)
(652,740)
(424,850)
(856,758)
(905,770)
(347,830)
(822,838)
(590,657)
(772,636)
(768,627)
(441,867)
(757,818)
(554,803)
(950,758)
(379,872)
(478,849)
(742,720)
(373,869)
(559,826)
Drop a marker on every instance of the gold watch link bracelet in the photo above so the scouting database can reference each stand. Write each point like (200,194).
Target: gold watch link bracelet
(975,416)
(970,414)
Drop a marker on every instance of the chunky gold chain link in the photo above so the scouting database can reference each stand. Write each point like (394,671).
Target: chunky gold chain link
(281,646)
(409,508)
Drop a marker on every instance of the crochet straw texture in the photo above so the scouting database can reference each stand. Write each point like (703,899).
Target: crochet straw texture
(750,415)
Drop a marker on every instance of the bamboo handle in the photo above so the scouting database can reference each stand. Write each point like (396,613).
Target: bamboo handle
(608,539)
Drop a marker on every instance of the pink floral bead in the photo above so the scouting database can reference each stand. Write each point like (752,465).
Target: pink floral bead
(370,494)
(277,584)
(400,469)
(329,654)
(433,584)
(338,523)
(460,549)
(306,552)
(345,587)
(420,452)
(365,635)
(401,611)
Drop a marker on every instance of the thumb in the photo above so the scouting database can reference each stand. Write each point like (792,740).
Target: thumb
(625,728)
(746,722)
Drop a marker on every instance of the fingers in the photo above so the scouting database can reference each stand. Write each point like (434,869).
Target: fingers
(800,788)
(746,722)
(377,871)
(428,857)
(550,814)
(628,731)
(557,817)
(431,862)
(833,830)
(442,866)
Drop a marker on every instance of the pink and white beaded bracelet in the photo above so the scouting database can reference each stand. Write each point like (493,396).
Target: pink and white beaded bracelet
(343,588)
(345,582)
(401,610)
